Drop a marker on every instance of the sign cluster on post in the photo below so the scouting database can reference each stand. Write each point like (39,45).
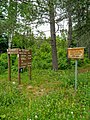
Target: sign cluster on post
(24,60)
(76,53)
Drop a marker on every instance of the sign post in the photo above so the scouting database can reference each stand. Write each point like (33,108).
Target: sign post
(9,68)
(76,72)
(76,53)
(24,60)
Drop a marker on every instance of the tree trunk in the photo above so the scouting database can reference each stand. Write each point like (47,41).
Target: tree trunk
(69,29)
(78,26)
(12,19)
(89,52)
(10,39)
(53,35)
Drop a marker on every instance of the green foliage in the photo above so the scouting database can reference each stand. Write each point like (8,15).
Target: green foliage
(3,62)
(42,57)
(62,59)
(3,43)
(22,41)
(11,100)
(51,96)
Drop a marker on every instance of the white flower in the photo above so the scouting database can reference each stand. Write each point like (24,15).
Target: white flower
(13,83)
(36,116)
(71,112)
(29,119)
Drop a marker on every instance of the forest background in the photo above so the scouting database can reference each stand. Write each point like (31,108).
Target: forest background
(17,18)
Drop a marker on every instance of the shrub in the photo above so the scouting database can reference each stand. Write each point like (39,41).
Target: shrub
(3,62)
(42,57)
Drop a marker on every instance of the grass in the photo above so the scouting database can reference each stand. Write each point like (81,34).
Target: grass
(48,96)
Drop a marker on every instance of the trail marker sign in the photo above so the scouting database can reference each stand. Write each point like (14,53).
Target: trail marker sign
(76,53)
(24,60)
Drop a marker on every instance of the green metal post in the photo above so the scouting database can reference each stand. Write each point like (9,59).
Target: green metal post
(76,72)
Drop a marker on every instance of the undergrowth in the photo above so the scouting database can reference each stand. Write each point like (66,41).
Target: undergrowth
(48,96)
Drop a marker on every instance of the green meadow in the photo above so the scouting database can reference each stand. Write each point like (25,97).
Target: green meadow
(49,95)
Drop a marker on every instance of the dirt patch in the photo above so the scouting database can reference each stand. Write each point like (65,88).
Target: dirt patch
(83,70)
(43,89)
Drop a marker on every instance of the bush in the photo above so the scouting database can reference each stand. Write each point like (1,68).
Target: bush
(62,59)
(42,57)
(3,62)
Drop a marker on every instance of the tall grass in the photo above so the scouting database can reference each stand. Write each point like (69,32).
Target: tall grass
(48,96)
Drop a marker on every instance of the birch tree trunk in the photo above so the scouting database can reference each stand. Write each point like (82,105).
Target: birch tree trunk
(12,19)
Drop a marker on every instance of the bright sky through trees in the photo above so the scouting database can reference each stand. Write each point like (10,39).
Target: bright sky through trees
(46,28)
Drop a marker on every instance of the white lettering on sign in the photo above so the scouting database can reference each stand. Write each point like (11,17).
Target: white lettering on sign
(76,53)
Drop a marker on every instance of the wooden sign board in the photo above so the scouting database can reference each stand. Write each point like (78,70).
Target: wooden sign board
(13,51)
(18,51)
(24,60)
(76,53)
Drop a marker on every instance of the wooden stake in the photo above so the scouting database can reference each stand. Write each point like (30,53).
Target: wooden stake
(19,65)
(9,68)
(29,68)
(76,74)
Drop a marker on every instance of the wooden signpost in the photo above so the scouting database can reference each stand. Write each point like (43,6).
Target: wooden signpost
(76,53)
(24,60)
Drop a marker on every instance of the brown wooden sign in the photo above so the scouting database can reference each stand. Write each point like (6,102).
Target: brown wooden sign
(76,53)
(13,51)
(24,60)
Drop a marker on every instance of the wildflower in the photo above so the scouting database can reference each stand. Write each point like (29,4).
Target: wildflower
(13,83)
(72,112)
(36,116)
(29,119)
